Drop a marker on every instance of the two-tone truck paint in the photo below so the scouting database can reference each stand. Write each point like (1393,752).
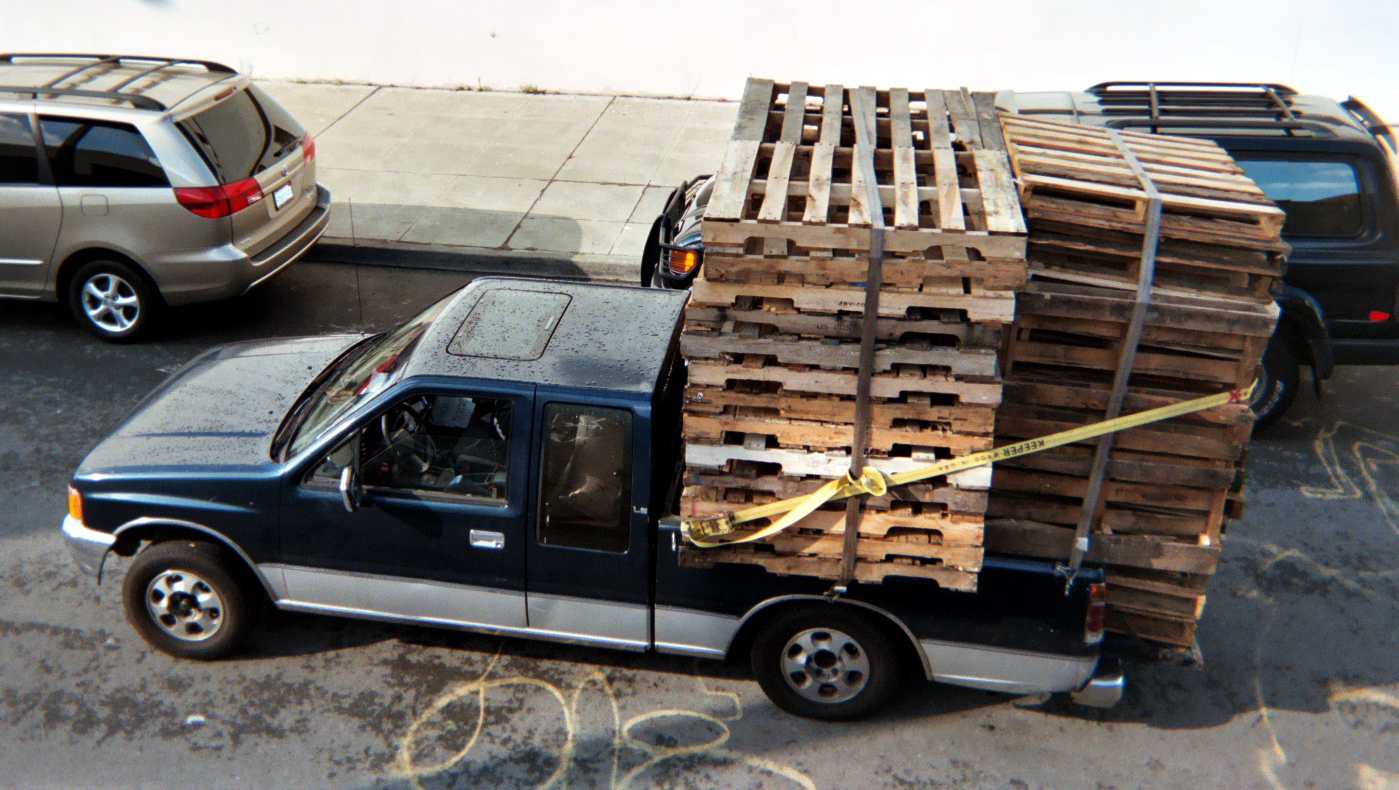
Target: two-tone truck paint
(510,461)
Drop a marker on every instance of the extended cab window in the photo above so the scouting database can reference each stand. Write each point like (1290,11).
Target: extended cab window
(1321,198)
(97,154)
(585,482)
(19,161)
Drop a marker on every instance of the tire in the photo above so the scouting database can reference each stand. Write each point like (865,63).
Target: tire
(1279,376)
(183,600)
(111,300)
(825,661)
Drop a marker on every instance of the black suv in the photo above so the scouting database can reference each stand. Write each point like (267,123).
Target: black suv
(1328,164)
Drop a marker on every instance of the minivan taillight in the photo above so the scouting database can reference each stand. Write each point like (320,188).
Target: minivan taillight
(308,148)
(1096,616)
(219,202)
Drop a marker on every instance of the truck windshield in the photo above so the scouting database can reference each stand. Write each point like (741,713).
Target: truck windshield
(357,379)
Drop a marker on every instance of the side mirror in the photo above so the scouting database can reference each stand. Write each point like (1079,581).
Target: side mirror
(350,490)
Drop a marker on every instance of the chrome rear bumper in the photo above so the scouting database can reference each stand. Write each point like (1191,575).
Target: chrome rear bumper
(1105,689)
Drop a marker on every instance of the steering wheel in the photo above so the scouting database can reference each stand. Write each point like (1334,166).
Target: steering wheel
(401,427)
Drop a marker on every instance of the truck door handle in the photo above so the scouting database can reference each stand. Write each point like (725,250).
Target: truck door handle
(483,539)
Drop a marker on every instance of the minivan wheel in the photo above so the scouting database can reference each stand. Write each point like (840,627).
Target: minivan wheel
(111,300)
(182,599)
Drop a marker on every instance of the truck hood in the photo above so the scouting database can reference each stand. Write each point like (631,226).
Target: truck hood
(220,410)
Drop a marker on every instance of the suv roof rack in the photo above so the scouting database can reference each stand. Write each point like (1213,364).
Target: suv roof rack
(1203,105)
(115,93)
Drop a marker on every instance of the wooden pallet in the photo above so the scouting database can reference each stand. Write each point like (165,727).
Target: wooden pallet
(947,274)
(801,463)
(788,171)
(1151,552)
(829,568)
(744,484)
(895,385)
(826,355)
(913,413)
(993,307)
(1087,209)
(824,437)
(940,331)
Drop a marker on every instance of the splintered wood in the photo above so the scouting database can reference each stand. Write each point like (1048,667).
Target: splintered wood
(774,323)
(1168,487)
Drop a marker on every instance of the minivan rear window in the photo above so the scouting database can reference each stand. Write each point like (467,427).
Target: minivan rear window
(243,135)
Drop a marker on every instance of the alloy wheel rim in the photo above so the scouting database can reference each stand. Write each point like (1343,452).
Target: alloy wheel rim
(825,665)
(185,606)
(111,303)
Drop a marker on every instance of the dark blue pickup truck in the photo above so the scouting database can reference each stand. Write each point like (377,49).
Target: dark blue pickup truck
(509,461)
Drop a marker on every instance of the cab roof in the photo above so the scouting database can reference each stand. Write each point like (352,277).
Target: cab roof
(147,83)
(556,333)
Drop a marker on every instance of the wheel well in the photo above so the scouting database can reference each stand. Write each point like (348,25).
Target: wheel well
(130,541)
(74,262)
(905,646)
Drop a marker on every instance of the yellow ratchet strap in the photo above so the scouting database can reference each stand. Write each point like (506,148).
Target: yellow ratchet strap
(699,531)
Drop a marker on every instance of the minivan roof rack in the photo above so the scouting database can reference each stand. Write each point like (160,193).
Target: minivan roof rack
(1203,105)
(135,99)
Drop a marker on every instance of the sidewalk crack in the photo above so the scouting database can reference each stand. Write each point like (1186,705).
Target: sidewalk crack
(549,182)
(356,106)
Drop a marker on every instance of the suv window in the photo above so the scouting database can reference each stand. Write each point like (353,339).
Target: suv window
(1321,198)
(19,160)
(97,154)
(585,485)
(242,135)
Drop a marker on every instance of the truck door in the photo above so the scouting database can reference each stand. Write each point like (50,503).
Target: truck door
(589,563)
(439,534)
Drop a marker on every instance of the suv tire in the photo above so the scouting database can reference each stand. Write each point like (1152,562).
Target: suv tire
(111,300)
(825,661)
(1279,375)
(183,600)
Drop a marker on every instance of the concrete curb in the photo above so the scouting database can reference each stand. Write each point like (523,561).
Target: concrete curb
(475,260)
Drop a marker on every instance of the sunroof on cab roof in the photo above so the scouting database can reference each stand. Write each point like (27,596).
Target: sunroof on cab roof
(508,323)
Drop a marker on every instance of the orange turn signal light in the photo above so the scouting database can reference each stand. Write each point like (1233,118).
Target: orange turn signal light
(683,261)
(75,504)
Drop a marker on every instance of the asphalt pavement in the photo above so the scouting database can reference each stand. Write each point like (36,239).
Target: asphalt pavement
(1300,687)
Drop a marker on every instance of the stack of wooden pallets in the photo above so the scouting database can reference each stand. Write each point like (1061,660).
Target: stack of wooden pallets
(1168,487)
(774,322)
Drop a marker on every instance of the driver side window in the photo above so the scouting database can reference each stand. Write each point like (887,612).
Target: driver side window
(440,444)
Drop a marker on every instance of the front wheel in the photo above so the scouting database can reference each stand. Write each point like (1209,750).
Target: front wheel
(182,599)
(825,662)
(1279,375)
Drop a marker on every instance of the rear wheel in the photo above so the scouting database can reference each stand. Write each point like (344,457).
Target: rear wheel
(1279,375)
(111,300)
(183,600)
(825,662)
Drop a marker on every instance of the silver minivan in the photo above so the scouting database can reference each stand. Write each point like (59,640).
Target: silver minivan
(130,183)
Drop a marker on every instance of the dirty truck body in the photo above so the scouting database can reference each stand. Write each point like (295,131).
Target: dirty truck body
(510,462)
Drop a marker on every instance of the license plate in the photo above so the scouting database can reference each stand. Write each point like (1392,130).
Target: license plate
(282,196)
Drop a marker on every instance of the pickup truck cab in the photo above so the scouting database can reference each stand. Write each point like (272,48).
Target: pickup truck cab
(510,461)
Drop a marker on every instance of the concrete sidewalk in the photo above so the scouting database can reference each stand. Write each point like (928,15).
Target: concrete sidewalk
(486,179)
